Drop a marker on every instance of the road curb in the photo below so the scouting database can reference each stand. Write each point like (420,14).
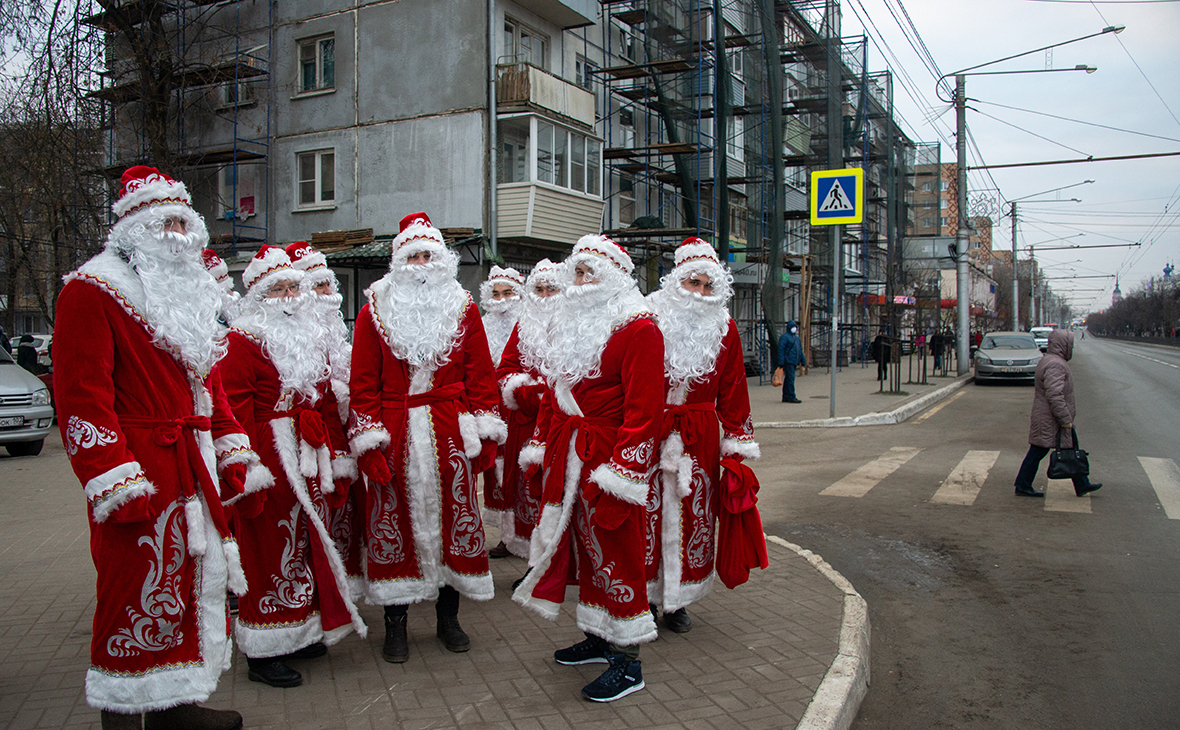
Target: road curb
(884,418)
(843,688)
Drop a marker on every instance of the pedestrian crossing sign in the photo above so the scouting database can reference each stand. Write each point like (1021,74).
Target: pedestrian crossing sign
(837,197)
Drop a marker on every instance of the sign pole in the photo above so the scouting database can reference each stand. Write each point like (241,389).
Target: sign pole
(837,264)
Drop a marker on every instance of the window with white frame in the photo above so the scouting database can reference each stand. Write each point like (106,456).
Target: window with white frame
(317,64)
(525,45)
(626,200)
(584,72)
(234,93)
(532,149)
(512,164)
(316,183)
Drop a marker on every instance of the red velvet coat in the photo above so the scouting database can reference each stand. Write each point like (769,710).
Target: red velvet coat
(599,461)
(521,393)
(136,421)
(424,528)
(682,515)
(298,585)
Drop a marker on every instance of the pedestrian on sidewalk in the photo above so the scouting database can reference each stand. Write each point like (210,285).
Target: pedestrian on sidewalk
(147,429)
(790,356)
(882,351)
(1053,414)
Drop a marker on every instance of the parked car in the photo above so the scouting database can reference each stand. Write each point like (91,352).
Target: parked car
(1007,356)
(1041,335)
(26,416)
(41,343)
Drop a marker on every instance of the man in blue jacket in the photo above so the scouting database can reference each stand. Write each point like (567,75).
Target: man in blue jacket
(790,355)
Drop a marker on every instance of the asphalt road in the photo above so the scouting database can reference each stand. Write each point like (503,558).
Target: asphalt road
(1006,612)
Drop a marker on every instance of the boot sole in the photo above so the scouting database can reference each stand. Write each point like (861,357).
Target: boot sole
(394,658)
(620,695)
(580,662)
(256,677)
(457,648)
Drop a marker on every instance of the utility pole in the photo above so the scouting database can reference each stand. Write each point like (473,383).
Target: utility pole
(772,289)
(835,162)
(963,288)
(720,134)
(1015,279)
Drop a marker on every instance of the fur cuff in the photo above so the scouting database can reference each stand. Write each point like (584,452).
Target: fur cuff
(233,564)
(258,477)
(532,454)
(233,448)
(743,446)
(113,489)
(510,384)
(491,428)
(469,430)
(344,466)
(620,483)
(369,439)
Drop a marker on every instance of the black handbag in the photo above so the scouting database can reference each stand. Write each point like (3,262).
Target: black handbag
(1068,463)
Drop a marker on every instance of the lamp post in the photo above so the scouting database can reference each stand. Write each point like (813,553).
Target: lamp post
(961,234)
(1015,279)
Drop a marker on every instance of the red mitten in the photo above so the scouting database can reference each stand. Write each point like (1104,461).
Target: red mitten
(250,506)
(610,512)
(137,510)
(528,398)
(338,498)
(486,459)
(233,477)
(374,466)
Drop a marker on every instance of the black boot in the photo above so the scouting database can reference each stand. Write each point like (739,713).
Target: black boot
(452,634)
(192,717)
(119,721)
(271,670)
(396,649)
(678,621)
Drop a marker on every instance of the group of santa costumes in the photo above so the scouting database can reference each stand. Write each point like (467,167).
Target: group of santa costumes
(350,472)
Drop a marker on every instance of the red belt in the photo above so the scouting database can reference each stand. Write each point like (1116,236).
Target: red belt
(675,418)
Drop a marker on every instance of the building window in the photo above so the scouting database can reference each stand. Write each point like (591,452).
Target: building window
(942,203)
(942,221)
(513,163)
(234,93)
(584,71)
(926,187)
(562,157)
(317,178)
(525,45)
(317,64)
(626,200)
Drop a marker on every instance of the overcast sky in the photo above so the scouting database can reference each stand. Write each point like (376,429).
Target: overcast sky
(1130,201)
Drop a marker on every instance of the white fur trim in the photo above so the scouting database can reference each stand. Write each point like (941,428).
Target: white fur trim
(671,483)
(564,397)
(340,390)
(261,642)
(509,385)
(469,430)
(638,629)
(309,463)
(283,430)
(148,190)
(374,438)
(195,518)
(233,563)
(547,537)
(258,477)
(344,466)
(116,487)
(531,455)
(617,486)
(233,448)
(491,428)
(745,449)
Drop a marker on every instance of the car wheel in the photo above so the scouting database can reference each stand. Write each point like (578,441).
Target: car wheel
(28,448)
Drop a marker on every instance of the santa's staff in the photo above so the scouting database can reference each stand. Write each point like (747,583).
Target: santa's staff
(706,386)
(604,362)
(424,423)
(276,379)
(146,426)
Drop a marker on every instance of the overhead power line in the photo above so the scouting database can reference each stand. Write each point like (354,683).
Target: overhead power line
(1070,162)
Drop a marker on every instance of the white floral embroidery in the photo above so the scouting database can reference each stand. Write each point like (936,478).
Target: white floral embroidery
(640,454)
(85,435)
(361,422)
(155,623)
(467,539)
(699,547)
(293,586)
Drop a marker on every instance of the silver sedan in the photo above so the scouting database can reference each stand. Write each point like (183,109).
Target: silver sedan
(1006,356)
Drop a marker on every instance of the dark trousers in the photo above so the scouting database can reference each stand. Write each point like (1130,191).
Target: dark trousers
(1032,462)
(446,605)
(882,369)
(788,382)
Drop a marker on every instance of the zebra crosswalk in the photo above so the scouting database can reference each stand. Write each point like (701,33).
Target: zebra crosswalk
(965,482)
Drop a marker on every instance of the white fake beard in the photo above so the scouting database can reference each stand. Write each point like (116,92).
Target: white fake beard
(327,308)
(293,338)
(422,310)
(498,322)
(182,302)
(581,326)
(693,327)
(532,329)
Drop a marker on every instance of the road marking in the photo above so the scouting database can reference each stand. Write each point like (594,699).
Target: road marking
(1145,357)
(1060,497)
(964,483)
(939,407)
(1165,480)
(859,482)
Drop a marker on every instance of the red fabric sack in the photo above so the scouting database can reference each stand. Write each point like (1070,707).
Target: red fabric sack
(741,544)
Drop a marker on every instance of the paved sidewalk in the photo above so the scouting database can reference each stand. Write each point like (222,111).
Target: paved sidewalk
(788,649)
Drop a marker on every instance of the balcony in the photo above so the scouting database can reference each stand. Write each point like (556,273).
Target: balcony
(521,87)
(564,13)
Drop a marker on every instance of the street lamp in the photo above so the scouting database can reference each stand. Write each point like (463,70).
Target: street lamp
(1015,282)
(961,234)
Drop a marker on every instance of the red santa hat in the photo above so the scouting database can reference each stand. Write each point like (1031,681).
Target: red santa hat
(416,233)
(596,246)
(217,268)
(268,267)
(696,249)
(146,187)
(312,263)
(498,275)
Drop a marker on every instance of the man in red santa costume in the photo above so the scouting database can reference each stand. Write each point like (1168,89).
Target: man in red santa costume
(706,385)
(500,297)
(276,375)
(424,423)
(521,389)
(216,267)
(147,429)
(346,521)
(604,363)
